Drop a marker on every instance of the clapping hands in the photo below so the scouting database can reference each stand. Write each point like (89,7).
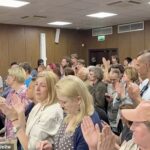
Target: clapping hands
(95,139)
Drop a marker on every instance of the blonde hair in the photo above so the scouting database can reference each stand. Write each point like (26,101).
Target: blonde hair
(19,74)
(132,74)
(72,87)
(51,80)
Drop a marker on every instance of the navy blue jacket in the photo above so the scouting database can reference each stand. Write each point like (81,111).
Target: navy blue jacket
(79,142)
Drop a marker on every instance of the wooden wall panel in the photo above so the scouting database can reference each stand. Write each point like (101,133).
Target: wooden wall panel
(16,43)
(50,37)
(21,43)
(147,35)
(3,50)
(32,40)
(137,42)
(124,45)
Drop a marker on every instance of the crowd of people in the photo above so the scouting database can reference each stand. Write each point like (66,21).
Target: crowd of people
(71,106)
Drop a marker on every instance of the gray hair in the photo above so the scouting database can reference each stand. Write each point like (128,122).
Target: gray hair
(98,72)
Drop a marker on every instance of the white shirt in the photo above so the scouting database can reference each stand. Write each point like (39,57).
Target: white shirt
(43,123)
(146,94)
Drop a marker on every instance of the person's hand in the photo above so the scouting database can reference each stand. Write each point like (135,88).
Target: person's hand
(2,99)
(17,104)
(134,92)
(106,63)
(120,89)
(9,111)
(44,145)
(90,132)
(106,139)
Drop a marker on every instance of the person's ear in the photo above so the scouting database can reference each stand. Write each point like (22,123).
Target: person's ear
(79,100)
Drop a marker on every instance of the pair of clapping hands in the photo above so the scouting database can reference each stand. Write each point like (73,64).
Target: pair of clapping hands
(12,111)
(96,139)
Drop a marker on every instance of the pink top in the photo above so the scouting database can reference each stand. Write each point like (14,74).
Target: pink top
(8,124)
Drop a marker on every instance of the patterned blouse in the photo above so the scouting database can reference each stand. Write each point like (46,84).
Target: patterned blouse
(63,140)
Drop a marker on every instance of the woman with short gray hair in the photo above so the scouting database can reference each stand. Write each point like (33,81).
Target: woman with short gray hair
(99,88)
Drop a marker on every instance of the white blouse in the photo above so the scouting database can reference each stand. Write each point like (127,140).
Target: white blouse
(43,123)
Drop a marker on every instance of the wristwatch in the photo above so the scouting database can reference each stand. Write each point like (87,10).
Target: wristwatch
(16,129)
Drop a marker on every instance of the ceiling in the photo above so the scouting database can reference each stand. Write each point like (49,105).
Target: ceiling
(40,12)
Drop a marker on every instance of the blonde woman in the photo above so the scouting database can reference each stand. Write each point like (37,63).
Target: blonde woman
(77,102)
(15,79)
(44,119)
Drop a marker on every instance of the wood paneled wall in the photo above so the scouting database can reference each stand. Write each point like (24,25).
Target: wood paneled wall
(22,43)
(128,44)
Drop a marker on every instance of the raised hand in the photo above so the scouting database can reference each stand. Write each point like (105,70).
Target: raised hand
(106,139)
(9,111)
(134,92)
(120,89)
(17,104)
(90,132)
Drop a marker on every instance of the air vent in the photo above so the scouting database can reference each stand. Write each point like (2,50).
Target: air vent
(102,31)
(124,3)
(36,16)
(114,3)
(137,26)
(134,2)
(24,17)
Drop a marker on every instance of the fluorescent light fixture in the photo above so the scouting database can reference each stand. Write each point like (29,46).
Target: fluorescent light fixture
(12,3)
(101,15)
(59,23)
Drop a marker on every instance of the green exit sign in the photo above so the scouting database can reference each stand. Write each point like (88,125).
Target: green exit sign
(101,38)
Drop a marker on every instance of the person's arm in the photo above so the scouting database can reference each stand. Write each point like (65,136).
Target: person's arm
(89,133)
(23,138)
(134,93)
(100,91)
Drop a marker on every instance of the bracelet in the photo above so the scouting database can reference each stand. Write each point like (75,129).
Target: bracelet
(16,129)
(14,120)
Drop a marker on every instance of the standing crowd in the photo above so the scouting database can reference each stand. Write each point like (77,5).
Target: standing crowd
(70,106)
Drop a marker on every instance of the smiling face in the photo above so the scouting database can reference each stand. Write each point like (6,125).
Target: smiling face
(41,90)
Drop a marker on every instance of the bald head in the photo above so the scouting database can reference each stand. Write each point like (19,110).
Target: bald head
(143,64)
(145,57)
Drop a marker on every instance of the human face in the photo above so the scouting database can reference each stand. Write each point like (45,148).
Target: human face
(70,106)
(125,63)
(92,76)
(10,80)
(114,78)
(79,66)
(30,91)
(125,78)
(141,133)
(63,62)
(48,68)
(141,67)
(41,90)
(114,61)
(74,60)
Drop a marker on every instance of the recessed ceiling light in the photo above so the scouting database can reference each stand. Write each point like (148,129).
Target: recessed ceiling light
(12,3)
(148,2)
(59,23)
(101,15)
